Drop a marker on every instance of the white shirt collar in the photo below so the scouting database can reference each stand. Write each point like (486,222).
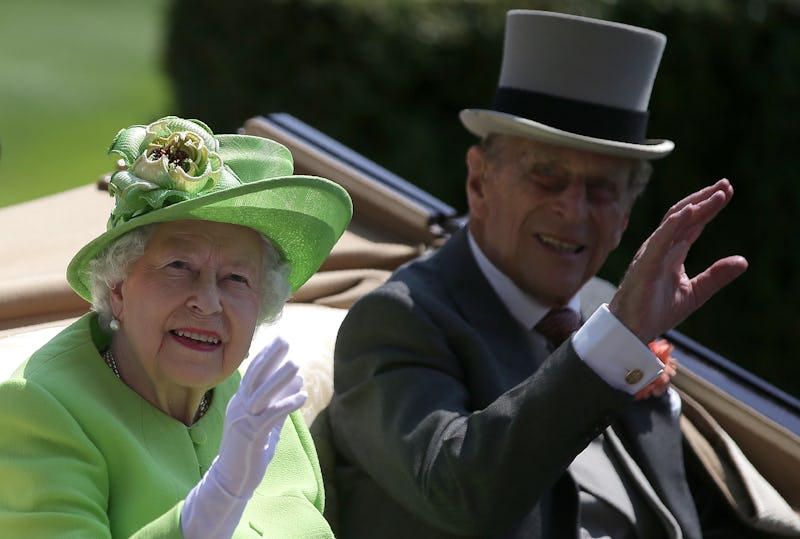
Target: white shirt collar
(522,306)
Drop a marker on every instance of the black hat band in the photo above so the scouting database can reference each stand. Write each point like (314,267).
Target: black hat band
(579,117)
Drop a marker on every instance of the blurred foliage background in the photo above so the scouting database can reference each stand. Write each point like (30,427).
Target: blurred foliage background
(388,77)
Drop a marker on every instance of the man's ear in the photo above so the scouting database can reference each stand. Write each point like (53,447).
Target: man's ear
(476,175)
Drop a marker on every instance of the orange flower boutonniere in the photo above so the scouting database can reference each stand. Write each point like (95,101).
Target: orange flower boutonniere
(663,351)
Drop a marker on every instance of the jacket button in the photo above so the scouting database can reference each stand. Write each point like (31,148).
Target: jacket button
(198,435)
(634,376)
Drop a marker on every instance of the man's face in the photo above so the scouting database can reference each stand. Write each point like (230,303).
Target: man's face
(547,216)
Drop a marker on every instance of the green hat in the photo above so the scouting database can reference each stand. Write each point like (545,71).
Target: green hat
(176,169)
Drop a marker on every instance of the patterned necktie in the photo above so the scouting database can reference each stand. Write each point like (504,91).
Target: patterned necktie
(558,324)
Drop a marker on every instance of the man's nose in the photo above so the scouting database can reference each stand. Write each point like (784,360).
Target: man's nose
(571,203)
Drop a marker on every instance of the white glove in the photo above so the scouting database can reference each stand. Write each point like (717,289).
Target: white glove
(270,390)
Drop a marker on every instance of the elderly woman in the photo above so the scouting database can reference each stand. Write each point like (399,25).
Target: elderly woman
(133,422)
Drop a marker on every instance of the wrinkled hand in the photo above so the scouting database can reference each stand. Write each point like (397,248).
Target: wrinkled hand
(270,390)
(656,294)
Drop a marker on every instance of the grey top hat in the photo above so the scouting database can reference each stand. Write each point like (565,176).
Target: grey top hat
(577,82)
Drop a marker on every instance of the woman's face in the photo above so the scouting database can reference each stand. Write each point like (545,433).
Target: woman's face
(188,308)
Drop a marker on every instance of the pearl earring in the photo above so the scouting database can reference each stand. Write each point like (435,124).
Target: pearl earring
(113,324)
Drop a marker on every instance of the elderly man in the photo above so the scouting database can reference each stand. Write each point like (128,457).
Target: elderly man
(466,403)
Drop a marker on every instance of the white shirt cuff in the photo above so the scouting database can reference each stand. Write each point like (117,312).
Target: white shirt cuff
(614,353)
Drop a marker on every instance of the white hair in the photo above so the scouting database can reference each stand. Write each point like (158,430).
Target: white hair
(112,265)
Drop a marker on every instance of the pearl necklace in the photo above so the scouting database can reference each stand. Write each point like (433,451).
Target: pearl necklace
(205,402)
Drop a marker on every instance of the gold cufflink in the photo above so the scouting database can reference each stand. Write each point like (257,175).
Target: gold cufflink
(633,376)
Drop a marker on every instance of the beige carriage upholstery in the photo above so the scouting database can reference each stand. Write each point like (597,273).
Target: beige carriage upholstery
(753,461)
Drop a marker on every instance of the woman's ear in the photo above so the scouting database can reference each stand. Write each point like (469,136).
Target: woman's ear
(115,298)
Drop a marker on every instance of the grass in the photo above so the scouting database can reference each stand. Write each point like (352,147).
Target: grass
(71,75)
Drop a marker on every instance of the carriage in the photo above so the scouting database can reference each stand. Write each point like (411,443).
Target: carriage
(745,431)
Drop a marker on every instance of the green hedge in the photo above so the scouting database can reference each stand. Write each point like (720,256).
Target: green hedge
(387,78)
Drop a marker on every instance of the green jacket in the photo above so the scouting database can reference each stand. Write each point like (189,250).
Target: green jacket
(83,455)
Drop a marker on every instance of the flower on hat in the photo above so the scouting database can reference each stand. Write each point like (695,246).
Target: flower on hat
(663,351)
(163,163)
(178,159)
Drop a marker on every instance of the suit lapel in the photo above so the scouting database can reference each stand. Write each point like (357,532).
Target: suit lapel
(651,436)
(635,474)
(481,308)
